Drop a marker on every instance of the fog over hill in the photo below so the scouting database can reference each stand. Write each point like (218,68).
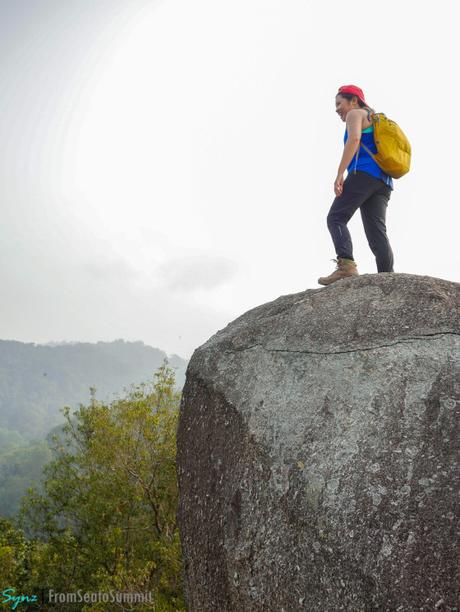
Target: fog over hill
(36,381)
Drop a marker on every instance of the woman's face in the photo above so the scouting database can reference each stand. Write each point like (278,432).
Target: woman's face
(342,106)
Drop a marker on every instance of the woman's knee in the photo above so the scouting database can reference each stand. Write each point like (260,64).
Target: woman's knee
(336,218)
(334,215)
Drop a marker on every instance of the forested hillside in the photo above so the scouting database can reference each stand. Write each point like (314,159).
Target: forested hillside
(36,381)
(104,518)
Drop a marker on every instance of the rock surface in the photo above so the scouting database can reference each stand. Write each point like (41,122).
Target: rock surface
(318,453)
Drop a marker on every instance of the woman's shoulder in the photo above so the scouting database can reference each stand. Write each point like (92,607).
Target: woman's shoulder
(366,114)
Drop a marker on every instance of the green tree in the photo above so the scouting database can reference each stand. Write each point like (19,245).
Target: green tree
(13,546)
(18,559)
(107,512)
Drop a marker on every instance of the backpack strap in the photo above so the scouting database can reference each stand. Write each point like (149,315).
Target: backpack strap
(356,159)
(361,144)
(368,150)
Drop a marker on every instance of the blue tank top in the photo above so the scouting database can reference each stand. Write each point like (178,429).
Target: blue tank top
(365,163)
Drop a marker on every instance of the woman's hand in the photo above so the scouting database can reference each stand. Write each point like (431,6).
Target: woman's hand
(338,185)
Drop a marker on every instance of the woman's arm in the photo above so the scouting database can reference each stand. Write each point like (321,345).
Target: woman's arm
(354,126)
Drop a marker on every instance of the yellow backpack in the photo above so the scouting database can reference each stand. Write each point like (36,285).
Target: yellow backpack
(393,148)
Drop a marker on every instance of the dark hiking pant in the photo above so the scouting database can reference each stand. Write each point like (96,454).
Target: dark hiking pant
(371,196)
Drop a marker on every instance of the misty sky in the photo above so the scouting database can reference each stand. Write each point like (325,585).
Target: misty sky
(167,165)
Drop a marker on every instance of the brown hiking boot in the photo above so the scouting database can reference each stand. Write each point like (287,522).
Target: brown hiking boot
(345,267)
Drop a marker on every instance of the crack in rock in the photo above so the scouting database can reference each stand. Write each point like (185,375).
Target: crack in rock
(356,350)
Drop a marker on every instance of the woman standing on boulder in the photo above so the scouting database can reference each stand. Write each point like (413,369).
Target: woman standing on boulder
(366,187)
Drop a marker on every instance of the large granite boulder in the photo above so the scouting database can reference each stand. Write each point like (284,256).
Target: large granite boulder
(318,453)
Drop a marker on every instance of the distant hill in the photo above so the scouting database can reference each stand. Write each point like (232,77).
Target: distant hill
(36,381)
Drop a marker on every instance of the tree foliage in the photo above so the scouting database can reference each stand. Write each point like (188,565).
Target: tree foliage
(106,516)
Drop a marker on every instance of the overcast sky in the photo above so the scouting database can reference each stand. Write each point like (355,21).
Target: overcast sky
(168,164)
